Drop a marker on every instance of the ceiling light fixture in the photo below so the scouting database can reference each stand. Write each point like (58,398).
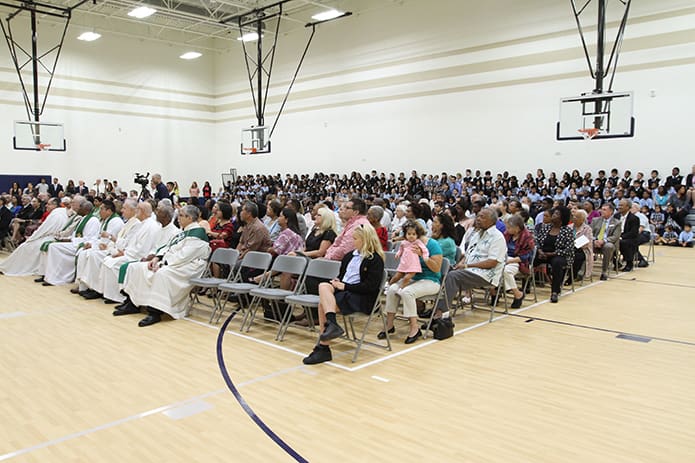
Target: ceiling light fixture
(191,55)
(88,36)
(142,12)
(248,37)
(327,15)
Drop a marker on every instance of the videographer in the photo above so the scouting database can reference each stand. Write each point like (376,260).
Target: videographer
(161,191)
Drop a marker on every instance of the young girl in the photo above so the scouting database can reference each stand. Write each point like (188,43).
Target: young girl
(408,260)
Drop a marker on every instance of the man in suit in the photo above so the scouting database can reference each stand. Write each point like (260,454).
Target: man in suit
(82,189)
(55,188)
(629,239)
(606,232)
(674,180)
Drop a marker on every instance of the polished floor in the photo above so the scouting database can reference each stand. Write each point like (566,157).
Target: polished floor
(550,383)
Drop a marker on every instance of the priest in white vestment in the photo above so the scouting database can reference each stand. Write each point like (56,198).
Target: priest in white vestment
(25,259)
(162,284)
(136,246)
(57,264)
(89,261)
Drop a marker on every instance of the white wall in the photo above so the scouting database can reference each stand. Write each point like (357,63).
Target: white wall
(433,86)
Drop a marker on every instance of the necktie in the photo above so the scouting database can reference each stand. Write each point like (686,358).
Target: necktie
(602,232)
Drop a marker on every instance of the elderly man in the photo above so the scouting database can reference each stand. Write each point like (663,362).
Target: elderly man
(645,233)
(25,259)
(352,213)
(162,283)
(60,258)
(483,263)
(89,261)
(131,248)
(85,226)
(165,234)
(606,232)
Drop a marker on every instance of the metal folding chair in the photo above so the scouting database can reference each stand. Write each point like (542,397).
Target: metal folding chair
(294,265)
(435,298)
(651,253)
(221,256)
(349,322)
(390,263)
(530,278)
(318,268)
(253,260)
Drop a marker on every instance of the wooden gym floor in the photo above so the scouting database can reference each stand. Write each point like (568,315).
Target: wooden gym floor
(552,383)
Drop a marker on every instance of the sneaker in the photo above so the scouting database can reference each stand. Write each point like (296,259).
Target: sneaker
(331,331)
(320,354)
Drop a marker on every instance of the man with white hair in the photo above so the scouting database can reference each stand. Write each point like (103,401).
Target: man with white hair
(25,259)
(135,247)
(89,261)
(162,284)
(645,233)
(60,258)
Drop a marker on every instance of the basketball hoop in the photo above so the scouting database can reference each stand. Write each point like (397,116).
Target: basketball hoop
(590,133)
(43,146)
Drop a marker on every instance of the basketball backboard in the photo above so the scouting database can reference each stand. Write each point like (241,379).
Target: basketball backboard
(596,116)
(255,140)
(38,136)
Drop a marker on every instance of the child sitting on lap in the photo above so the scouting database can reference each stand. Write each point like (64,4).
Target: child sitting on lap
(409,260)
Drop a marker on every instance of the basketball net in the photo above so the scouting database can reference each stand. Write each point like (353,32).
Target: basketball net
(590,133)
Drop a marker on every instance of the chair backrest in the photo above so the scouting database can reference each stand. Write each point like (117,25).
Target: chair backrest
(396,245)
(323,268)
(290,264)
(390,261)
(225,256)
(257,260)
(459,254)
(446,265)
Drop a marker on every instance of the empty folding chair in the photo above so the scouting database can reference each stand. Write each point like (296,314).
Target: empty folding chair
(318,268)
(221,256)
(253,260)
(349,322)
(293,265)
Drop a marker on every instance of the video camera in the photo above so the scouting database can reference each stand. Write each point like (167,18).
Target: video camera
(142,180)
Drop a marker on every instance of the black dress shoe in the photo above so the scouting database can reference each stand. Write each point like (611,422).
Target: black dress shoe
(603,277)
(382,335)
(92,295)
(425,314)
(627,268)
(75,290)
(331,331)
(45,283)
(38,280)
(553,298)
(413,338)
(516,303)
(109,301)
(320,354)
(127,310)
(150,320)
(84,292)
(643,264)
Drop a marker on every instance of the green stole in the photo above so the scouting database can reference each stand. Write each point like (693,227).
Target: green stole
(197,232)
(78,231)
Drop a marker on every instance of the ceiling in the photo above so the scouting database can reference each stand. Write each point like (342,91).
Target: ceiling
(201,24)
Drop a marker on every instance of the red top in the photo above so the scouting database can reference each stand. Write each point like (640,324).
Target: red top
(383,235)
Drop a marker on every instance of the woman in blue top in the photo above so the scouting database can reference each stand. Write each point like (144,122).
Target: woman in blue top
(444,231)
(425,283)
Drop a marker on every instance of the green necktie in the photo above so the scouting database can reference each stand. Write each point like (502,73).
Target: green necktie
(602,232)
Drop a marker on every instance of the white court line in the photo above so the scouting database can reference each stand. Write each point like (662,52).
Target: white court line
(405,351)
(147,413)
(379,378)
(265,343)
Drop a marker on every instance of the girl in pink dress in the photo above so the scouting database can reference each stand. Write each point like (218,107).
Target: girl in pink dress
(408,260)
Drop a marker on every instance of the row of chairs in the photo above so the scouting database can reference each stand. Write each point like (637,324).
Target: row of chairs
(282,303)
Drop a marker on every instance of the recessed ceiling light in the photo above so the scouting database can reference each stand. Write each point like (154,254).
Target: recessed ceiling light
(89,36)
(327,15)
(248,37)
(191,55)
(142,12)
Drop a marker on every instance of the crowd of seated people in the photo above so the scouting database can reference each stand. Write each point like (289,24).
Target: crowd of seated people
(140,254)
